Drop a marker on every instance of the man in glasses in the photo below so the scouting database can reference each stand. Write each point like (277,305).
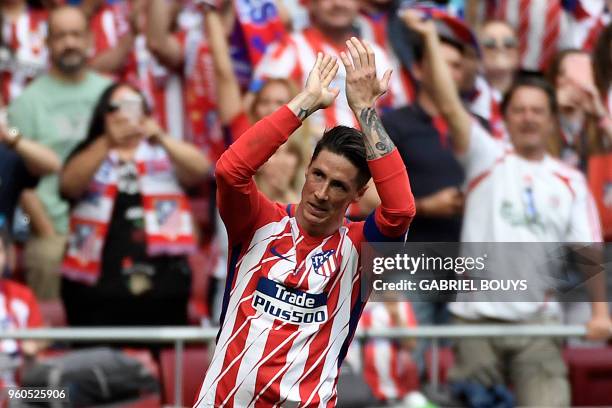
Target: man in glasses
(500,56)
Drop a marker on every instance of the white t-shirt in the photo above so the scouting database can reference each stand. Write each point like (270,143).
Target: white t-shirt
(511,199)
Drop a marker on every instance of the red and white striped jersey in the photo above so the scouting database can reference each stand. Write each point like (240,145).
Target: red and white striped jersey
(485,102)
(373,27)
(162,87)
(295,55)
(108,25)
(384,361)
(547,26)
(18,310)
(23,54)
(292,301)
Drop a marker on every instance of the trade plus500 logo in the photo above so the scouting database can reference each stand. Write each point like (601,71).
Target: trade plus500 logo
(290,305)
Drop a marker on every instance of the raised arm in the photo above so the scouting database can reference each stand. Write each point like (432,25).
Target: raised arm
(81,167)
(363,88)
(89,7)
(445,92)
(229,98)
(113,59)
(159,37)
(236,190)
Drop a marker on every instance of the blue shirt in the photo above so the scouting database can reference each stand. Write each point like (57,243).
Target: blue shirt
(14,178)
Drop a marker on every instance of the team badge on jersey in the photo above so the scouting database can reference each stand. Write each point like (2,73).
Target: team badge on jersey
(323,263)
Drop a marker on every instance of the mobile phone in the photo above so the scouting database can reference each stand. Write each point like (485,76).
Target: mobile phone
(131,107)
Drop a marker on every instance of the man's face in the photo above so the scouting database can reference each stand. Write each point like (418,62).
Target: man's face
(333,15)
(68,40)
(529,119)
(453,59)
(330,186)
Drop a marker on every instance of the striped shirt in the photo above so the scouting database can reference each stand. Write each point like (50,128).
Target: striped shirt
(23,55)
(547,26)
(292,301)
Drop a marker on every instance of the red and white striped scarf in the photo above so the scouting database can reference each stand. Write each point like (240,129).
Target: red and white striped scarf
(167,217)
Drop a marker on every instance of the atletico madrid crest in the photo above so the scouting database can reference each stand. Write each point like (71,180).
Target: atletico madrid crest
(324,263)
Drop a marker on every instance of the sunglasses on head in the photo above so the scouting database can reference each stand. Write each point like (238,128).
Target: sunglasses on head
(508,43)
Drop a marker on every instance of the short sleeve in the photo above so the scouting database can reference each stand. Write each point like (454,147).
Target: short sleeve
(483,151)
(584,219)
(20,115)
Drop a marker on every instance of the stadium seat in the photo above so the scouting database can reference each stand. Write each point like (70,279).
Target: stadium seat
(447,360)
(145,357)
(195,363)
(590,375)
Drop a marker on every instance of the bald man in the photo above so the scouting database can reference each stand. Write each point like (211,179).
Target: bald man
(54,110)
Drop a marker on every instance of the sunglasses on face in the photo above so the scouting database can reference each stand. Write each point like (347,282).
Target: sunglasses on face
(126,103)
(508,43)
(130,107)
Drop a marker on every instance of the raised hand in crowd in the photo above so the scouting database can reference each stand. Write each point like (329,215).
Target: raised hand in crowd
(160,41)
(585,98)
(229,97)
(445,92)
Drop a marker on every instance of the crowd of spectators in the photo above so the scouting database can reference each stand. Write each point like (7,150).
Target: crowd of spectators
(114,112)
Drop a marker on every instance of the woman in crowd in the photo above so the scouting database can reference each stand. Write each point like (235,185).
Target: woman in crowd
(582,131)
(500,54)
(131,227)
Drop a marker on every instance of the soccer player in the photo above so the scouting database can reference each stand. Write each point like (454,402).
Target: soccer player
(292,299)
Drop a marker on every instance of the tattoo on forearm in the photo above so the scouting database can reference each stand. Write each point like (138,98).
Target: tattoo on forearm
(377,141)
(303,113)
